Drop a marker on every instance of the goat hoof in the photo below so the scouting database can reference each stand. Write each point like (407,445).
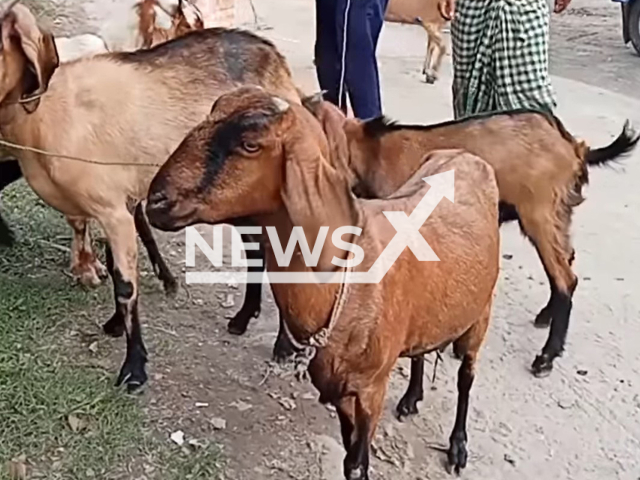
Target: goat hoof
(456,353)
(89,274)
(356,473)
(407,407)
(430,79)
(88,279)
(457,455)
(239,323)
(114,327)
(170,286)
(132,375)
(283,351)
(542,366)
(543,319)
(101,270)
(281,355)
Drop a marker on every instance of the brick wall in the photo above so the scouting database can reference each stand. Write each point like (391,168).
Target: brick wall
(225,13)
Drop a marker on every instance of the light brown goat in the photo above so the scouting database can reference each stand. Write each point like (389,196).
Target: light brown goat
(123,113)
(426,14)
(152,34)
(258,156)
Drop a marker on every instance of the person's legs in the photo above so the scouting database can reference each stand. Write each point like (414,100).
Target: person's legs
(327,49)
(361,68)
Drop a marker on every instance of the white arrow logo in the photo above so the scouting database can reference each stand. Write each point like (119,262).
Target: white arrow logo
(408,230)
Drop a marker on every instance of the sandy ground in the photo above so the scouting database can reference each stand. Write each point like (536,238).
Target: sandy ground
(568,426)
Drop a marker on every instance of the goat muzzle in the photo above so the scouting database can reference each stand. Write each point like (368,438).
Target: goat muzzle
(159,212)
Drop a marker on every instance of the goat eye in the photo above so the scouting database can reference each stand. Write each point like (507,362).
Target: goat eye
(250,147)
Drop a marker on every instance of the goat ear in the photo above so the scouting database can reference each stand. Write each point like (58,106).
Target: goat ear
(39,48)
(305,151)
(333,121)
(312,102)
(191,13)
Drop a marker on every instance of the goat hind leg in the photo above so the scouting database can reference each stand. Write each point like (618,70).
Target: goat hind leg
(556,255)
(560,305)
(85,266)
(408,404)
(435,53)
(160,267)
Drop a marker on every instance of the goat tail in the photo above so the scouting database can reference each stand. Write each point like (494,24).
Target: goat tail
(619,148)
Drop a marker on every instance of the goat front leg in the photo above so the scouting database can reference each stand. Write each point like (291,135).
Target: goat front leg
(457,455)
(122,258)
(160,267)
(283,349)
(468,346)
(253,293)
(367,410)
(85,266)
(408,404)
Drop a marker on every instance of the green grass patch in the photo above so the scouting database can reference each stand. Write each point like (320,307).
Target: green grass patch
(58,408)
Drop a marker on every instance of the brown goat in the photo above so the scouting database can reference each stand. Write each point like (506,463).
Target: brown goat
(258,156)
(131,109)
(151,34)
(540,169)
(426,14)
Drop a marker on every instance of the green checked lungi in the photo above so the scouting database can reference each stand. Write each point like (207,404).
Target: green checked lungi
(500,56)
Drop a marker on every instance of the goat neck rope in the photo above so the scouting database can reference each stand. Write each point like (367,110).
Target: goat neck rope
(307,348)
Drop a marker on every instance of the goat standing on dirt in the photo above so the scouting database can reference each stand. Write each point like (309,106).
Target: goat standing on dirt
(540,169)
(121,114)
(426,14)
(258,156)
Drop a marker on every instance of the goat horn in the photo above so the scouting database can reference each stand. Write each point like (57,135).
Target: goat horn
(5,9)
(318,96)
(281,105)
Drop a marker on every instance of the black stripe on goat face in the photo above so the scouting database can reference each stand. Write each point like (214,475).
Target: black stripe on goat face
(234,135)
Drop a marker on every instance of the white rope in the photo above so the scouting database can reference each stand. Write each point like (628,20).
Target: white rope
(307,351)
(46,153)
(343,63)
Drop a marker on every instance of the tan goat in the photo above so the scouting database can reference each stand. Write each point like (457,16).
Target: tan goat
(184,18)
(258,156)
(426,14)
(127,109)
